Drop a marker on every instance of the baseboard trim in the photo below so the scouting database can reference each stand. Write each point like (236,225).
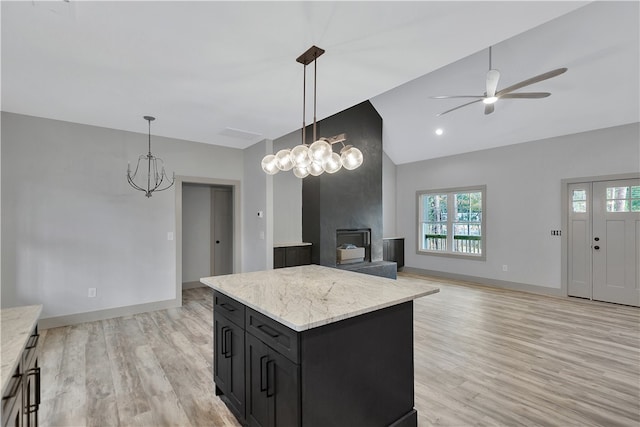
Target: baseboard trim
(503,284)
(110,313)
(191,285)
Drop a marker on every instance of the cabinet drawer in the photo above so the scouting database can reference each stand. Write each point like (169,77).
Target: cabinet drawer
(228,307)
(277,336)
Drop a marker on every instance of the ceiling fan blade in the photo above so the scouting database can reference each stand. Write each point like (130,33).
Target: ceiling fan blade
(459,106)
(456,96)
(526,95)
(492,82)
(532,80)
(488,108)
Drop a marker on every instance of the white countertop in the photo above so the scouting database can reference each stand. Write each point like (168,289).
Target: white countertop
(16,325)
(290,244)
(311,295)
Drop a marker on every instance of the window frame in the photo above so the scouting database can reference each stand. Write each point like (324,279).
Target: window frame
(450,192)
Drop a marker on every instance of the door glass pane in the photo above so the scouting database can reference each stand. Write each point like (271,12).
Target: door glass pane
(635,192)
(617,206)
(635,205)
(579,195)
(579,198)
(580,207)
(617,193)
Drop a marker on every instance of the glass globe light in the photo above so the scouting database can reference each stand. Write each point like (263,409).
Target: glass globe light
(300,171)
(269,164)
(320,151)
(283,160)
(351,157)
(300,155)
(333,164)
(315,168)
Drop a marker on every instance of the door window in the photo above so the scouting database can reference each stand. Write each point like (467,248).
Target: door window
(623,199)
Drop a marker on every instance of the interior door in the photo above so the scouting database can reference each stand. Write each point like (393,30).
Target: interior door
(616,241)
(222,231)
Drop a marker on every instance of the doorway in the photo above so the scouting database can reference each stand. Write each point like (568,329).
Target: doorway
(604,240)
(207,211)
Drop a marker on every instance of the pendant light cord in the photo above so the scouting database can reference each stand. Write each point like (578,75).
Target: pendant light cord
(304,105)
(315,73)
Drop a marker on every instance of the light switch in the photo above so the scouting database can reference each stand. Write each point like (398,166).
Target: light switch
(170,235)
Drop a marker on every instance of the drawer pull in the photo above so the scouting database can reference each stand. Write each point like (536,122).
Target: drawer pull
(228,307)
(33,341)
(17,380)
(269,331)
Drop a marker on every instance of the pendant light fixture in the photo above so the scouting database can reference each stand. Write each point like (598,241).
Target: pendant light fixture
(318,157)
(156,175)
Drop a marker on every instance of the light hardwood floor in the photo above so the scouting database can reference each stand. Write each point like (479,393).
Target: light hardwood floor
(483,356)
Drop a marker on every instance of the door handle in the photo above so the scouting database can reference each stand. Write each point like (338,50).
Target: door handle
(596,247)
(596,239)
(264,361)
(217,242)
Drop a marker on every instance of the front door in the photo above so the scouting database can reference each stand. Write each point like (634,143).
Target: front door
(616,241)
(604,241)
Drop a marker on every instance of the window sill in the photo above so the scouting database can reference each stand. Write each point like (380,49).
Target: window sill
(481,257)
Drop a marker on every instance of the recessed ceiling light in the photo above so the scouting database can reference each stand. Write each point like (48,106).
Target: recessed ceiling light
(439,131)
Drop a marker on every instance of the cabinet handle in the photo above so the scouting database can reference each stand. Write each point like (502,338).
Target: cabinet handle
(271,376)
(16,385)
(36,372)
(264,362)
(223,341)
(227,307)
(269,331)
(227,345)
(33,341)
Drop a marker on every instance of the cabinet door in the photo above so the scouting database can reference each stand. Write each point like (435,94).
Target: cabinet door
(229,361)
(278,258)
(273,387)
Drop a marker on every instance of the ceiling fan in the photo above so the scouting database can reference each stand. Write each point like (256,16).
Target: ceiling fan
(491,94)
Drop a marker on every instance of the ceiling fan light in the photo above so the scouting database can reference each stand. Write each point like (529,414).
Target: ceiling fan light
(490,100)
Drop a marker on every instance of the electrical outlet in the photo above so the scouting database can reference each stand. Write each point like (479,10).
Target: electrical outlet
(91,293)
(505,267)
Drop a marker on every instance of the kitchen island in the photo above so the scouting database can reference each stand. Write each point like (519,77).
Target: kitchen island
(315,346)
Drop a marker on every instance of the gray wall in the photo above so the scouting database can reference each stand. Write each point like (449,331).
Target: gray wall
(70,221)
(257,197)
(287,197)
(388,197)
(523,201)
(196,232)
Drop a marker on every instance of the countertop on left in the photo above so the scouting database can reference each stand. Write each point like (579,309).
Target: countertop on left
(16,325)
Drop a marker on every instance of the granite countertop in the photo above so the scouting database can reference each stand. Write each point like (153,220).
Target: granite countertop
(311,295)
(290,244)
(16,325)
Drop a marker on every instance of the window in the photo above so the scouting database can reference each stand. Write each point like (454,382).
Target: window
(623,199)
(579,200)
(451,222)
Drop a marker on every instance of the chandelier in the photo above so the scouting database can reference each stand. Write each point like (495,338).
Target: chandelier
(156,175)
(318,157)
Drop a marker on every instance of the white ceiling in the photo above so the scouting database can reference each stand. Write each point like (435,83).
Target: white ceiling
(209,69)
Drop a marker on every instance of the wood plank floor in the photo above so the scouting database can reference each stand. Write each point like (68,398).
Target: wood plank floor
(483,356)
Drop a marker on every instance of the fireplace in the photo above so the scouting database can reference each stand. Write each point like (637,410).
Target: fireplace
(353,245)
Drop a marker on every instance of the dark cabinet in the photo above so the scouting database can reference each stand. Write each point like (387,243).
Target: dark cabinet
(229,351)
(21,402)
(273,384)
(291,256)
(393,250)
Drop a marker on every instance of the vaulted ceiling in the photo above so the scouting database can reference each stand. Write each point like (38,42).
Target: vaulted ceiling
(224,73)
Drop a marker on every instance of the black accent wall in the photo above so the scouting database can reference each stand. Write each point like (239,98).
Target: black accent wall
(346,199)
